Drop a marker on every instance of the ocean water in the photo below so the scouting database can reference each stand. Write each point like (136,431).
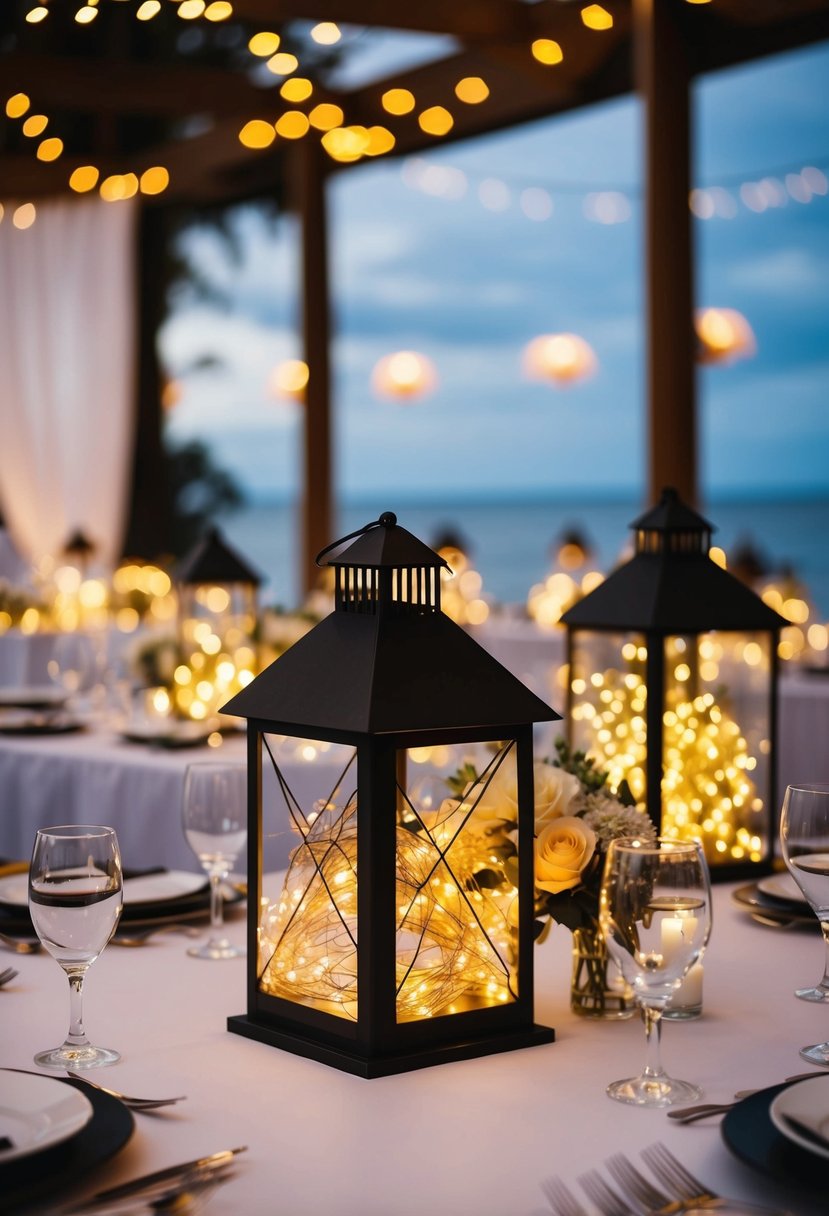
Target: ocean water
(512,543)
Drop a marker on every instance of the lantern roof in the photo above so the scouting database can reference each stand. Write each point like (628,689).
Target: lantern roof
(671,585)
(212,560)
(671,514)
(380,674)
(384,543)
(387,660)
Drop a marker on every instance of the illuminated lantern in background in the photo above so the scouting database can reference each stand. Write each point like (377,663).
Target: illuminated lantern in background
(562,358)
(404,375)
(217,592)
(723,336)
(382,952)
(571,578)
(462,585)
(672,671)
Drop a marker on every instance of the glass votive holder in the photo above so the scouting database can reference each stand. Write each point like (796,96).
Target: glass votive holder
(686,1003)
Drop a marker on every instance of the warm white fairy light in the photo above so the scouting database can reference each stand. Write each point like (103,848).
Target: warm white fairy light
(452,940)
(708,793)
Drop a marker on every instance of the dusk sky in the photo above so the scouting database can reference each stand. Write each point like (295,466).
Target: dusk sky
(469,286)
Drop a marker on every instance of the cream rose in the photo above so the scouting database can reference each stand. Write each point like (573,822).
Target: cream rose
(500,798)
(555,792)
(562,851)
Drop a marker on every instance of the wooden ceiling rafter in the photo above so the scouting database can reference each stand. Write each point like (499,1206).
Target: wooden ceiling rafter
(496,37)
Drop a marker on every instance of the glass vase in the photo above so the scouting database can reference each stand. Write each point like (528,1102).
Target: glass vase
(597,988)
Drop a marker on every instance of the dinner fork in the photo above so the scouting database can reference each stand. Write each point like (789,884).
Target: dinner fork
(7,975)
(603,1196)
(687,1189)
(561,1198)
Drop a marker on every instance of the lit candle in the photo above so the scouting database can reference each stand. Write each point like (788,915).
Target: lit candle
(687,999)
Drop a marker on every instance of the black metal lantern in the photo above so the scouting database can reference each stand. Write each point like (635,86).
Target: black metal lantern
(672,683)
(217,616)
(387,948)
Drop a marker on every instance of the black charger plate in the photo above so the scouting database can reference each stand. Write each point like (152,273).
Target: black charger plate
(54,1170)
(749,1133)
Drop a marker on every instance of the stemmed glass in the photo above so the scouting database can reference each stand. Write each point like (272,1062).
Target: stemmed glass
(214,817)
(804,838)
(75,900)
(655,915)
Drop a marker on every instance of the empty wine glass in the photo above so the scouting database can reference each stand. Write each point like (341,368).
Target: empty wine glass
(72,664)
(75,900)
(214,816)
(655,914)
(804,838)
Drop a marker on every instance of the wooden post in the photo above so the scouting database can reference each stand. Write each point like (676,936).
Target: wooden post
(149,514)
(663,74)
(317,494)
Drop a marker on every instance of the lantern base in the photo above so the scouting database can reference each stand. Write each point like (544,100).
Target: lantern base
(394,1062)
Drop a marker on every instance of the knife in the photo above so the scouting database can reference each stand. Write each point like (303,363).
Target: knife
(214,1162)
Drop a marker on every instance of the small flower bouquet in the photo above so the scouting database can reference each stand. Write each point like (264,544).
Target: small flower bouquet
(576,817)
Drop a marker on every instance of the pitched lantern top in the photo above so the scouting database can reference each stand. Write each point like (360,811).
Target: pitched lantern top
(212,560)
(387,660)
(671,585)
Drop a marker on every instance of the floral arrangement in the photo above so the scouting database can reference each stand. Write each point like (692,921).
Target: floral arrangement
(576,817)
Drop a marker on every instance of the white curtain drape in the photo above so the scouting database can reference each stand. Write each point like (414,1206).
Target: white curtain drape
(67,360)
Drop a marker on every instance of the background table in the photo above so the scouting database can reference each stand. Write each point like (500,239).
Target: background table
(96,777)
(468,1139)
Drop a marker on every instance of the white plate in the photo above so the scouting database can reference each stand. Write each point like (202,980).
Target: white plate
(159,888)
(38,1112)
(807,1101)
(33,696)
(782,886)
(144,888)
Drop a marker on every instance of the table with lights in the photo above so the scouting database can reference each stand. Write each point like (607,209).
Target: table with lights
(474,1137)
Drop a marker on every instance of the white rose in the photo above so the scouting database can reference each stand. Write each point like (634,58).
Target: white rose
(555,792)
(562,852)
(499,799)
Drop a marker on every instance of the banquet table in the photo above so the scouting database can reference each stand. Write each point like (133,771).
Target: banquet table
(474,1138)
(95,776)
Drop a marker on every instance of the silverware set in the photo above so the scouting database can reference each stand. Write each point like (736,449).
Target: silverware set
(7,975)
(705,1110)
(183,1189)
(634,1194)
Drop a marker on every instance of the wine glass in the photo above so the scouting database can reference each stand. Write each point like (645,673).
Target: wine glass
(214,816)
(804,838)
(655,914)
(75,901)
(72,664)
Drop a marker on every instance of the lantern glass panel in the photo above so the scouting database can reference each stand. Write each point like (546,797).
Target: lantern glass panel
(716,748)
(609,704)
(307,951)
(716,729)
(457,862)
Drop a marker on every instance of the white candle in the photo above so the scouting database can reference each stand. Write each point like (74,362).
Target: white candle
(676,930)
(689,992)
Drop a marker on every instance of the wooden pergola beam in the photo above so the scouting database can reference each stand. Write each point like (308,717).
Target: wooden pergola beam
(123,86)
(467,19)
(663,79)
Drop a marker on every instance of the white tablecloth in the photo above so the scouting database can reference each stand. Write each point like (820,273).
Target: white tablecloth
(467,1139)
(95,777)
